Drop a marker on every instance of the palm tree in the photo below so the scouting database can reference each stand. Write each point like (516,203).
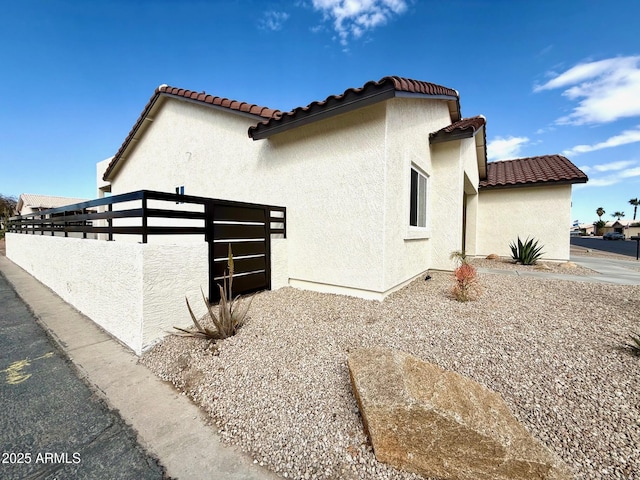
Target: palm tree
(635,203)
(600,211)
(618,215)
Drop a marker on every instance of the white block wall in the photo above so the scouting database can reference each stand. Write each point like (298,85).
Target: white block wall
(134,291)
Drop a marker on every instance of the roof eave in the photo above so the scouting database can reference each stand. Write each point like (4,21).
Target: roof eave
(481,144)
(357,101)
(450,137)
(262,131)
(132,136)
(534,184)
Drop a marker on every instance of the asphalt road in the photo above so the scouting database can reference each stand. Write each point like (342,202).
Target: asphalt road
(52,425)
(622,247)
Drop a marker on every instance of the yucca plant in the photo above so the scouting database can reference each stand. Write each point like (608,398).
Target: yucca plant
(635,345)
(527,252)
(231,312)
(459,256)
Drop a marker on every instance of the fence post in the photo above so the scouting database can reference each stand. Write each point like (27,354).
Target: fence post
(144,217)
(208,237)
(110,223)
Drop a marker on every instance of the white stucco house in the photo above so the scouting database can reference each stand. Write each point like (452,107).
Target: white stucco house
(381,182)
(32,203)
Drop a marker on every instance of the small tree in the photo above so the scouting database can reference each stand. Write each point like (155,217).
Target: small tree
(618,215)
(7,210)
(600,211)
(635,203)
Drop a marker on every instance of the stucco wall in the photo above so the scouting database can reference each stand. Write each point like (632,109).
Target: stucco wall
(408,251)
(329,175)
(134,291)
(540,212)
(345,182)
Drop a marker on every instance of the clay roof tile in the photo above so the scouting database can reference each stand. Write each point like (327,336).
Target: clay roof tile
(546,169)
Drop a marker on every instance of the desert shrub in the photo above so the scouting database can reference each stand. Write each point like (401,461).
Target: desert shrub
(466,287)
(231,311)
(527,252)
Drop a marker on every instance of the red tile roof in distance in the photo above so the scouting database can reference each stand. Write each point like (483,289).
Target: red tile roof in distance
(371,92)
(201,97)
(546,169)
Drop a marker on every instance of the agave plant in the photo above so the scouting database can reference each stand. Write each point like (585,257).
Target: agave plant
(635,345)
(526,253)
(231,312)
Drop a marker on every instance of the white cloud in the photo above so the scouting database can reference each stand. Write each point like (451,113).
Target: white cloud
(619,165)
(273,20)
(615,172)
(632,172)
(505,148)
(606,90)
(627,136)
(353,18)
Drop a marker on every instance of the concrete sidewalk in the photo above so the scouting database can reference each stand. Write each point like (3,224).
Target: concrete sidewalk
(611,271)
(168,424)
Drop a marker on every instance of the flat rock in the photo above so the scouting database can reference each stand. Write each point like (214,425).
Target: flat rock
(492,256)
(437,423)
(543,267)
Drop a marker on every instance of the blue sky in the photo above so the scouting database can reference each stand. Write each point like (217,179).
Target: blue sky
(550,76)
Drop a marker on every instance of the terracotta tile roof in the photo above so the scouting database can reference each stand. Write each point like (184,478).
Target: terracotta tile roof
(371,92)
(467,127)
(42,202)
(200,97)
(204,97)
(546,169)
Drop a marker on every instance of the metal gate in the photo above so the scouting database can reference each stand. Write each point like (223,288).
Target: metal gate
(248,229)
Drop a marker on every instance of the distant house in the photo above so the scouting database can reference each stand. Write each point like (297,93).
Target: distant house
(629,228)
(587,228)
(381,182)
(30,203)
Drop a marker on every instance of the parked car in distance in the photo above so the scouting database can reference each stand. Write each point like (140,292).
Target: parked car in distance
(613,236)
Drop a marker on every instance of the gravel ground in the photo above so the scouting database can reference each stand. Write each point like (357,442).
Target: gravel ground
(501,263)
(280,389)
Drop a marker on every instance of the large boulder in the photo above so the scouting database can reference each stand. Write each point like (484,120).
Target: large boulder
(437,423)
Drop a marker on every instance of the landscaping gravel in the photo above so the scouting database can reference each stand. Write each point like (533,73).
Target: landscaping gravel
(501,263)
(280,388)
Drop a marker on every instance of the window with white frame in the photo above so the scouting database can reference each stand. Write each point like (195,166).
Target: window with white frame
(418,201)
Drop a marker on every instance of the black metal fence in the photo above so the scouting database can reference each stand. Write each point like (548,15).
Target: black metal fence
(246,226)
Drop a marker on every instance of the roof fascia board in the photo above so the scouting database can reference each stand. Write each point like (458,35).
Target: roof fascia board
(450,137)
(535,184)
(109,173)
(342,107)
(402,94)
(481,150)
